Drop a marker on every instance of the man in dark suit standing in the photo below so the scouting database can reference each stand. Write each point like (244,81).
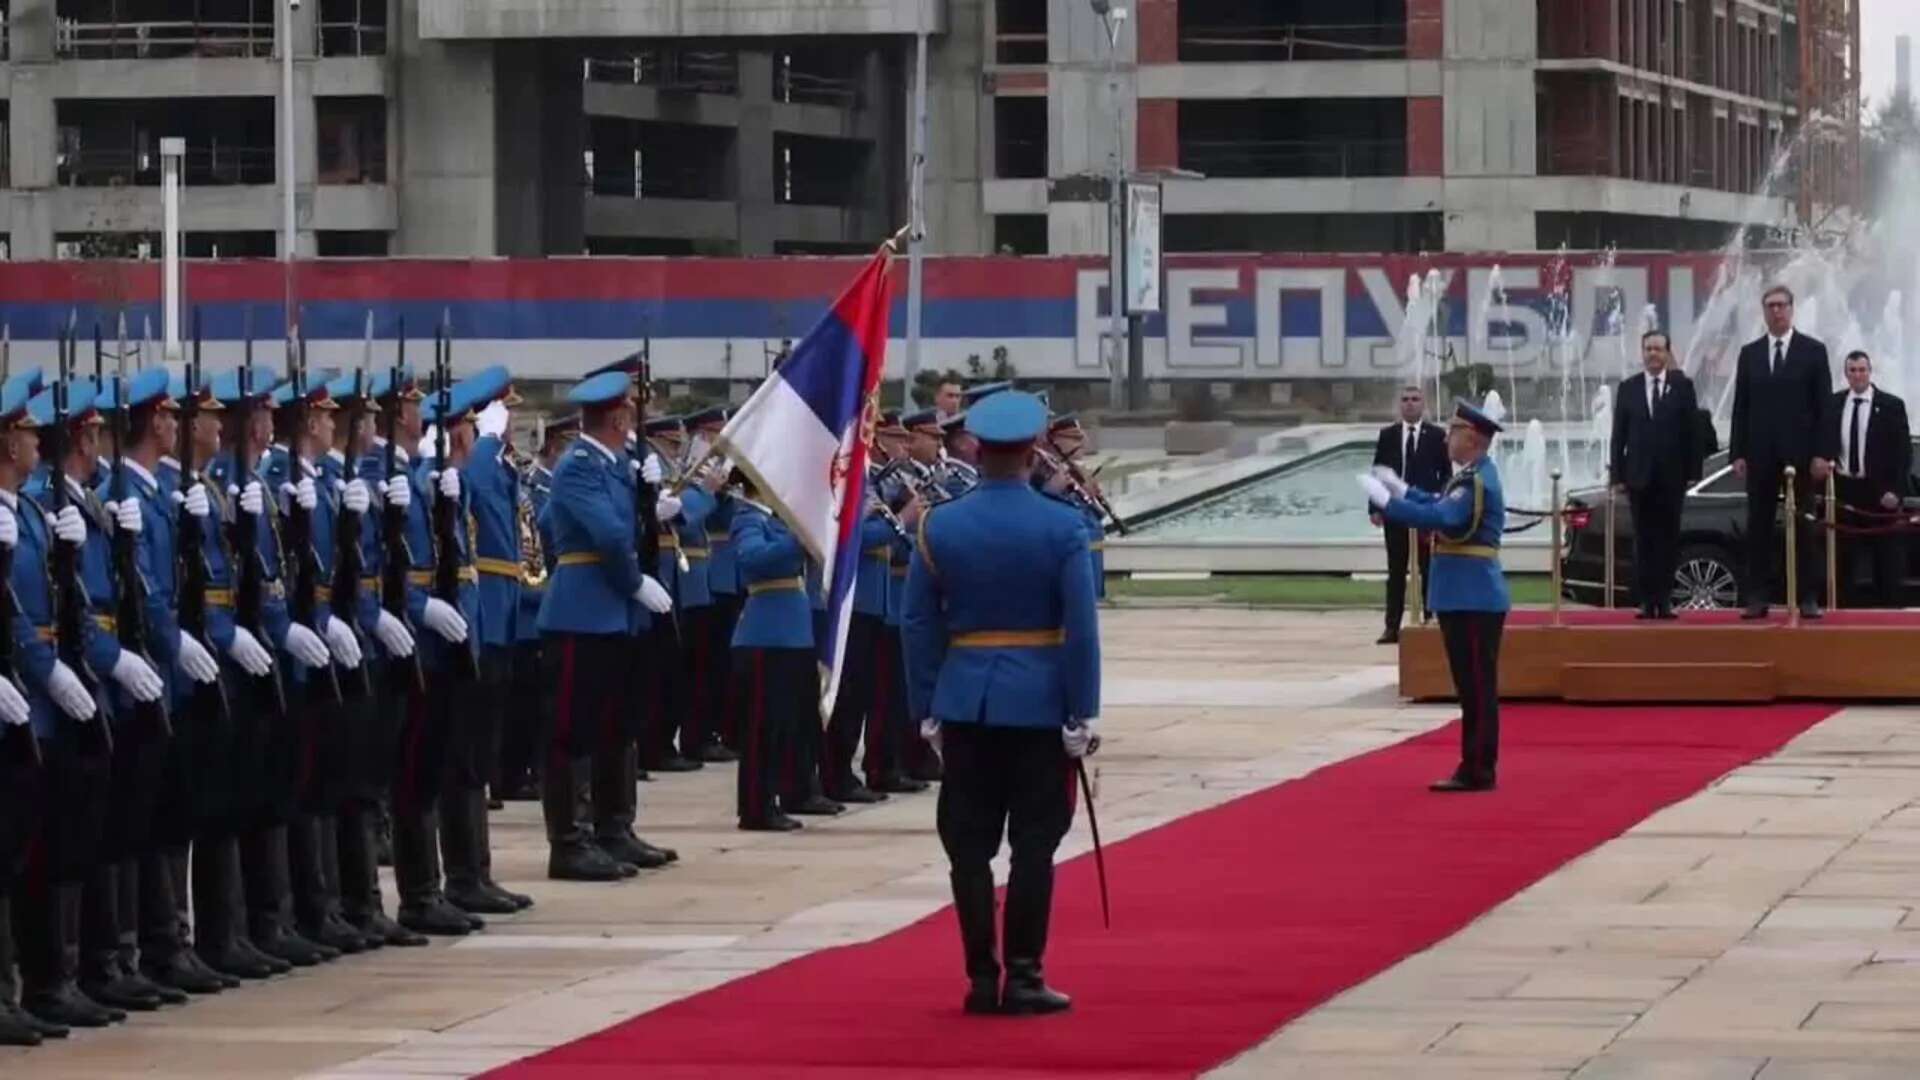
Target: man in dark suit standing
(1780,391)
(1416,451)
(1865,440)
(1655,455)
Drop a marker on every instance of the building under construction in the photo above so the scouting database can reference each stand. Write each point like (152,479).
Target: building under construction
(530,127)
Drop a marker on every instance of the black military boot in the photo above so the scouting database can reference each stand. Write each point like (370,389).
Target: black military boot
(165,959)
(132,891)
(463,822)
(52,964)
(973,904)
(218,911)
(1029,909)
(616,805)
(416,865)
(100,975)
(335,917)
(571,853)
(483,852)
(316,898)
(360,897)
(17,1027)
(270,901)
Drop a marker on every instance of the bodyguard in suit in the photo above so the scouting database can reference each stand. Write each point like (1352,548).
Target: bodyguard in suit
(1003,667)
(1780,392)
(1416,451)
(1866,441)
(1655,456)
(1468,591)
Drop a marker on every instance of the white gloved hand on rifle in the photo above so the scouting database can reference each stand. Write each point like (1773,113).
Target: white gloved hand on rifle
(393,634)
(69,526)
(444,619)
(652,471)
(667,507)
(195,501)
(252,500)
(653,596)
(247,651)
(341,642)
(68,692)
(303,494)
(137,677)
(195,660)
(396,492)
(1082,739)
(13,707)
(354,497)
(305,646)
(125,515)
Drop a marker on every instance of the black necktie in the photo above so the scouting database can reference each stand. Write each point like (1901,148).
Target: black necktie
(1406,455)
(1659,391)
(1779,356)
(1855,439)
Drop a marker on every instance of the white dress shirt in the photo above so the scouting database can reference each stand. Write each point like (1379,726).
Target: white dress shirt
(1845,465)
(1781,346)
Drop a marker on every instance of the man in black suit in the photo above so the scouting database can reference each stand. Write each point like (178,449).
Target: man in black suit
(1865,440)
(1780,391)
(1417,452)
(1656,454)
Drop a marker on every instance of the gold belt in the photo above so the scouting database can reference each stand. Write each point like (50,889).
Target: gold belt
(1010,639)
(718,537)
(669,540)
(106,622)
(44,633)
(696,552)
(884,551)
(499,567)
(899,571)
(220,598)
(424,578)
(580,558)
(1466,551)
(788,584)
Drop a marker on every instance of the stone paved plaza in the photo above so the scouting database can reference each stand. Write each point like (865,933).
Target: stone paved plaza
(1762,928)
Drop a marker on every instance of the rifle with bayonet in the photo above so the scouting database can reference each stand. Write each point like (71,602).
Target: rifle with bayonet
(130,610)
(303,602)
(645,503)
(250,567)
(20,742)
(195,574)
(69,592)
(446,512)
(348,560)
(396,560)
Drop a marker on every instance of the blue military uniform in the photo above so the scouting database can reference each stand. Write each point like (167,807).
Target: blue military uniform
(1467,592)
(775,667)
(1003,653)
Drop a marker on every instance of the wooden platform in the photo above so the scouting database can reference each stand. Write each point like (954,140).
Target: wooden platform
(1608,656)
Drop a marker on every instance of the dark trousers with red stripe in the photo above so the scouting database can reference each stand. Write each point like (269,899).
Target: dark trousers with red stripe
(726,721)
(63,852)
(852,706)
(703,663)
(590,736)
(110,909)
(776,689)
(666,693)
(889,733)
(1473,653)
(525,723)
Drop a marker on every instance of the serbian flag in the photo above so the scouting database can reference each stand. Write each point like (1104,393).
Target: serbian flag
(803,438)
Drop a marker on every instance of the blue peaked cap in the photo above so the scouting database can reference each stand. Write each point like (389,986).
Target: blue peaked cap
(601,389)
(1467,414)
(262,381)
(1009,417)
(143,388)
(486,387)
(80,395)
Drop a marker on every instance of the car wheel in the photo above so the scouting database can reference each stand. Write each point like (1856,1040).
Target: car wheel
(1705,580)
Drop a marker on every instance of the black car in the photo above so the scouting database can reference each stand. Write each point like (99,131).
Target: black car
(1712,545)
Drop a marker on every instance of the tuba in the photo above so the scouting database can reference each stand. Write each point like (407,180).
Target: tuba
(533,558)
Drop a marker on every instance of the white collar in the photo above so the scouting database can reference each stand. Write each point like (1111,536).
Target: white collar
(1864,395)
(598,445)
(75,487)
(337,457)
(170,462)
(140,471)
(1785,341)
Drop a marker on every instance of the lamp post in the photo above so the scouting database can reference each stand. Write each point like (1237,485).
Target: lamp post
(288,234)
(916,211)
(1114,17)
(172,150)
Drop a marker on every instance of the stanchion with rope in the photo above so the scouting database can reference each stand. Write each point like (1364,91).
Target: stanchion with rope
(1554,557)
(1611,542)
(1793,551)
(1833,547)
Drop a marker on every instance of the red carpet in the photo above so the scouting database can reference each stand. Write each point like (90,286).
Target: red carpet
(1227,924)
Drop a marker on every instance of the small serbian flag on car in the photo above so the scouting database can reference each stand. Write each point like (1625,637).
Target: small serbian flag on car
(803,438)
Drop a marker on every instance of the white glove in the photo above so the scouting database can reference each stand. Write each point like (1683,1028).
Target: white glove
(302,494)
(69,526)
(426,447)
(1377,493)
(195,500)
(1082,740)
(448,483)
(492,420)
(930,731)
(341,642)
(68,692)
(1392,480)
(396,492)
(195,660)
(13,707)
(652,471)
(137,677)
(444,619)
(9,527)
(393,634)
(126,515)
(253,500)
(305,646)
(653,596)
(247,651)
(668,507)
(355,497)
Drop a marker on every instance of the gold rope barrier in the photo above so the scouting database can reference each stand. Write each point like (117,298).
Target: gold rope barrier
(1416,588)
(1833,547)
(1554,557)
(1793,551)
(1612,548)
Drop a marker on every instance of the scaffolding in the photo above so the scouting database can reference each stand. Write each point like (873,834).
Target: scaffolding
(1829,109)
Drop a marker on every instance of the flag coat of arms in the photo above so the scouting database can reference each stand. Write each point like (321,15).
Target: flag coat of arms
(804,436)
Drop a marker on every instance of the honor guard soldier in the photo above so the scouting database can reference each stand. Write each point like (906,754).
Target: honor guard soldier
(723,584)
(861,668)
(1066,438)
(68,719)
(703,660)
(493,490)
(1003,666)
(775,668)
(597,601)
(1467,591)
(671,740)
(896,758)
(24,795)
(532,706)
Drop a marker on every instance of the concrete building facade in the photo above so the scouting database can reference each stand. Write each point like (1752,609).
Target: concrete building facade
(759,127)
